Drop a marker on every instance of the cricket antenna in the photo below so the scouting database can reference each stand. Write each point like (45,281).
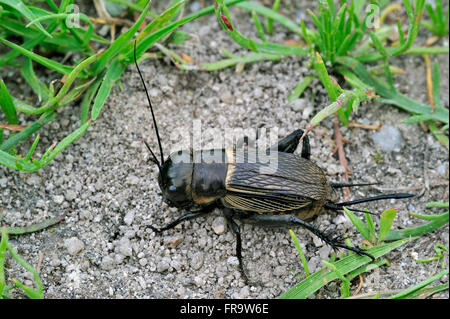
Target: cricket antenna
(338,206)
(370,199)
(155,160)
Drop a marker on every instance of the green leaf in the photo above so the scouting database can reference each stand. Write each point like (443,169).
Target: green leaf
(53,65)
(300,252)
(28,131)
(112,74)
(23,9)
(178,37)
(439,221)
(269,13)
(347,264)
(300,87)
(118,44)
(33,81)
(65,142)
(3,243)
(7,105)
(412,290)
(359,224)
(436,85)
(386,219)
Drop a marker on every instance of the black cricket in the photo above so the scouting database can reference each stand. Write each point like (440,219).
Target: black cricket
(292,195)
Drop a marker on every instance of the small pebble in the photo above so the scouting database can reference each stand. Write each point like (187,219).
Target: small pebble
(74,245)
(173,241)
(218,225)
(58,199)
(388,138)
(197,261)
(233,260)
(163,265)
(71,195)
(125,247)
(129,217)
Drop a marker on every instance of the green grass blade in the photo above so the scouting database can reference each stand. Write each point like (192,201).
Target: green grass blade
(320,278)
(3,243)
(414,289)
(386,219)
(300,87)
(359,224)
(7,105)
(33,81)
(118,44)
(258,26)
(150,40)
(32,148)
(36,227)
(53,65)
(437,204)
(440,221)
(66,142)
(269,13)
(269,22)
(23,9)
(31,292)
(323,76)
(25,133)
(300,252)
(436,85)
(27,45)
(87,99)
(112,75)
(393,96)
(370,227)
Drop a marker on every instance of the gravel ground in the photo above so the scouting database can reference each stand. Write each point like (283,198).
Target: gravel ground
(104,182)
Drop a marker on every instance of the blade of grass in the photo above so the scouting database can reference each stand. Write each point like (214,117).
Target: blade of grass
(440,221)
(36,227)
(359,224)
(391,95)
(259,27)
(33,81)
(370,227)
(23,9)
(7,105)
(48,63)
(29,130)
(87,99)
(269,14)
(386,219)
(119,43)
(27,45)
(269,21)
(3,242)
(32,293)
(66,142)
(412,290)
(300,87)
(112,75)
(345,288)
(320,278)
(300,252)
(32,148)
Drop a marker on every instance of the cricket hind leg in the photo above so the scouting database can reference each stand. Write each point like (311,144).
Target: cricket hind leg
(283,220)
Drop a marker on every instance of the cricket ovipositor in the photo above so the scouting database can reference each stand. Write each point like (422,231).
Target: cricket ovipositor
(292,194)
